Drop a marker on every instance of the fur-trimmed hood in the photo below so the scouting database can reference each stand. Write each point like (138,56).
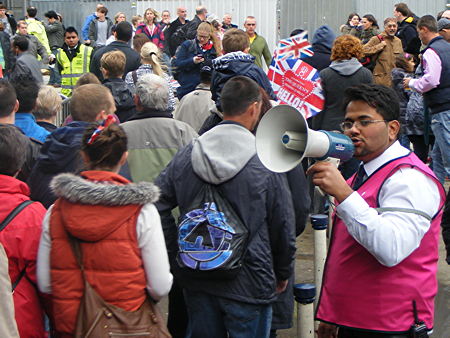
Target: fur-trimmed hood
(94,205)
(112,192)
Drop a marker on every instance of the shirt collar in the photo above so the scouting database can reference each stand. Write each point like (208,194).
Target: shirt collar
(396,150)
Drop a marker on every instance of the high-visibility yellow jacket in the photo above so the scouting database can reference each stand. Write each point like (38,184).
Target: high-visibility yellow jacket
(72,70)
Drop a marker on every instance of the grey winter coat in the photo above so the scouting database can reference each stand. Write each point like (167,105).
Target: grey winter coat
(55,34)
(27,64)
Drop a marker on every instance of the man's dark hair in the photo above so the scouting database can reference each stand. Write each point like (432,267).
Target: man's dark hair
(70,29)
(21,42)
(200,10)
(13,149)
(383,99)
(103,10)
(27,90)
(124,31)
(51,15)
(237,94)
(296,32)
(205,74)
(7,98)
(31,11)
(429,22)
(403,8)
(371,18)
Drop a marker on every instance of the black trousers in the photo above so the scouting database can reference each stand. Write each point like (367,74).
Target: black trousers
(352,333)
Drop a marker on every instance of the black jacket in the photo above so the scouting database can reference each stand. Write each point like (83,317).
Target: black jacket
(261,198)
(170,44)
(407,32)
(133,60)
(59,154)
(5,44)
(123,98)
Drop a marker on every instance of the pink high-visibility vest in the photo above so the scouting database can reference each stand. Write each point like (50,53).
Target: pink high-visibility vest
(359,292)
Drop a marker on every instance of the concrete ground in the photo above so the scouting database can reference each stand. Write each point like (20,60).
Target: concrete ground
(305,274)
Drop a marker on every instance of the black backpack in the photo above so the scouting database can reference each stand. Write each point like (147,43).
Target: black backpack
(212,239)
(370,61)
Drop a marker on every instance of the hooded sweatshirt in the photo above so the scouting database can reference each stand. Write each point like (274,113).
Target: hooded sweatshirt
(322,43)
(335,80)
(235,64)
(226,157)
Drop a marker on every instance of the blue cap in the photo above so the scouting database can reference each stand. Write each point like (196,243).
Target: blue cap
(305,293)
(319,221)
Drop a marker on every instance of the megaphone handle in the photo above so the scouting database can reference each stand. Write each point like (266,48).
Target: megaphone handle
(333,160)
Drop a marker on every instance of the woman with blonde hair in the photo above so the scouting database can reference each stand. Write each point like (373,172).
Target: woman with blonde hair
(151,64)
(151,28)
(192,56)
(119,17)
(48,105)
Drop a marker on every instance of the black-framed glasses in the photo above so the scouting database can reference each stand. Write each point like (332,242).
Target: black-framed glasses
(347,125)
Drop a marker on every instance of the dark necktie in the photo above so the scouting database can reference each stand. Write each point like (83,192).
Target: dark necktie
(361,176)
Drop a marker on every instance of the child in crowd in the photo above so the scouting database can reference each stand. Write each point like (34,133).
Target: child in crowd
(113,66)
(404,67)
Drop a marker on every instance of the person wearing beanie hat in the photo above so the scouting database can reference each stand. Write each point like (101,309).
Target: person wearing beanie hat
(444,28)
(322,43)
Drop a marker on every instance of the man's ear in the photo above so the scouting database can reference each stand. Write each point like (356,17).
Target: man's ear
(16,107)
(394,130)
(101,116)
(124,158)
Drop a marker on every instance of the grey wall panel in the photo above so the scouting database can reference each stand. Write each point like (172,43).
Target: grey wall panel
(263,10)
(310,14)
(74,12)
(385,8)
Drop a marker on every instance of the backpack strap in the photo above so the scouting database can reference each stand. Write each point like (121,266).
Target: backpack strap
(21,275)
(3,225)
(14,213)
(134,76)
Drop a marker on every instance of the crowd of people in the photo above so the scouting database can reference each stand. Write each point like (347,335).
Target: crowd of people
(151,186)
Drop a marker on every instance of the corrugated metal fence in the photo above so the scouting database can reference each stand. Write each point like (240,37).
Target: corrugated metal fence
(276,18)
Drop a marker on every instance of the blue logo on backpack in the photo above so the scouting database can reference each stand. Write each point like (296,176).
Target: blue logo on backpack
(204,238)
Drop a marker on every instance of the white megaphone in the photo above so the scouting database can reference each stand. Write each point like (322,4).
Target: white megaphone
(283,139)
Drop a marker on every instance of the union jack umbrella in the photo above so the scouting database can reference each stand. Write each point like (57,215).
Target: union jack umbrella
(295,47)
(298,84)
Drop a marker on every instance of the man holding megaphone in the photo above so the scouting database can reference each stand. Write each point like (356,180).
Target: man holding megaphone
(380,274)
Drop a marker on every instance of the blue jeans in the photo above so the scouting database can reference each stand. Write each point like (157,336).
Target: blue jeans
(55,76)
(212,316)
(440,125)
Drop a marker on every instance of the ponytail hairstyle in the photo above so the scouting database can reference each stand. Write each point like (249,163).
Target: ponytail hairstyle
(104,144)
(150,54)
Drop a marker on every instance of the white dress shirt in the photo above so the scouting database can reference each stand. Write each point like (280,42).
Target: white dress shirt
(392,235)
(150,241)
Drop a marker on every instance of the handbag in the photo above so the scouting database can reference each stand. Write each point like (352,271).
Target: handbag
(97,318)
